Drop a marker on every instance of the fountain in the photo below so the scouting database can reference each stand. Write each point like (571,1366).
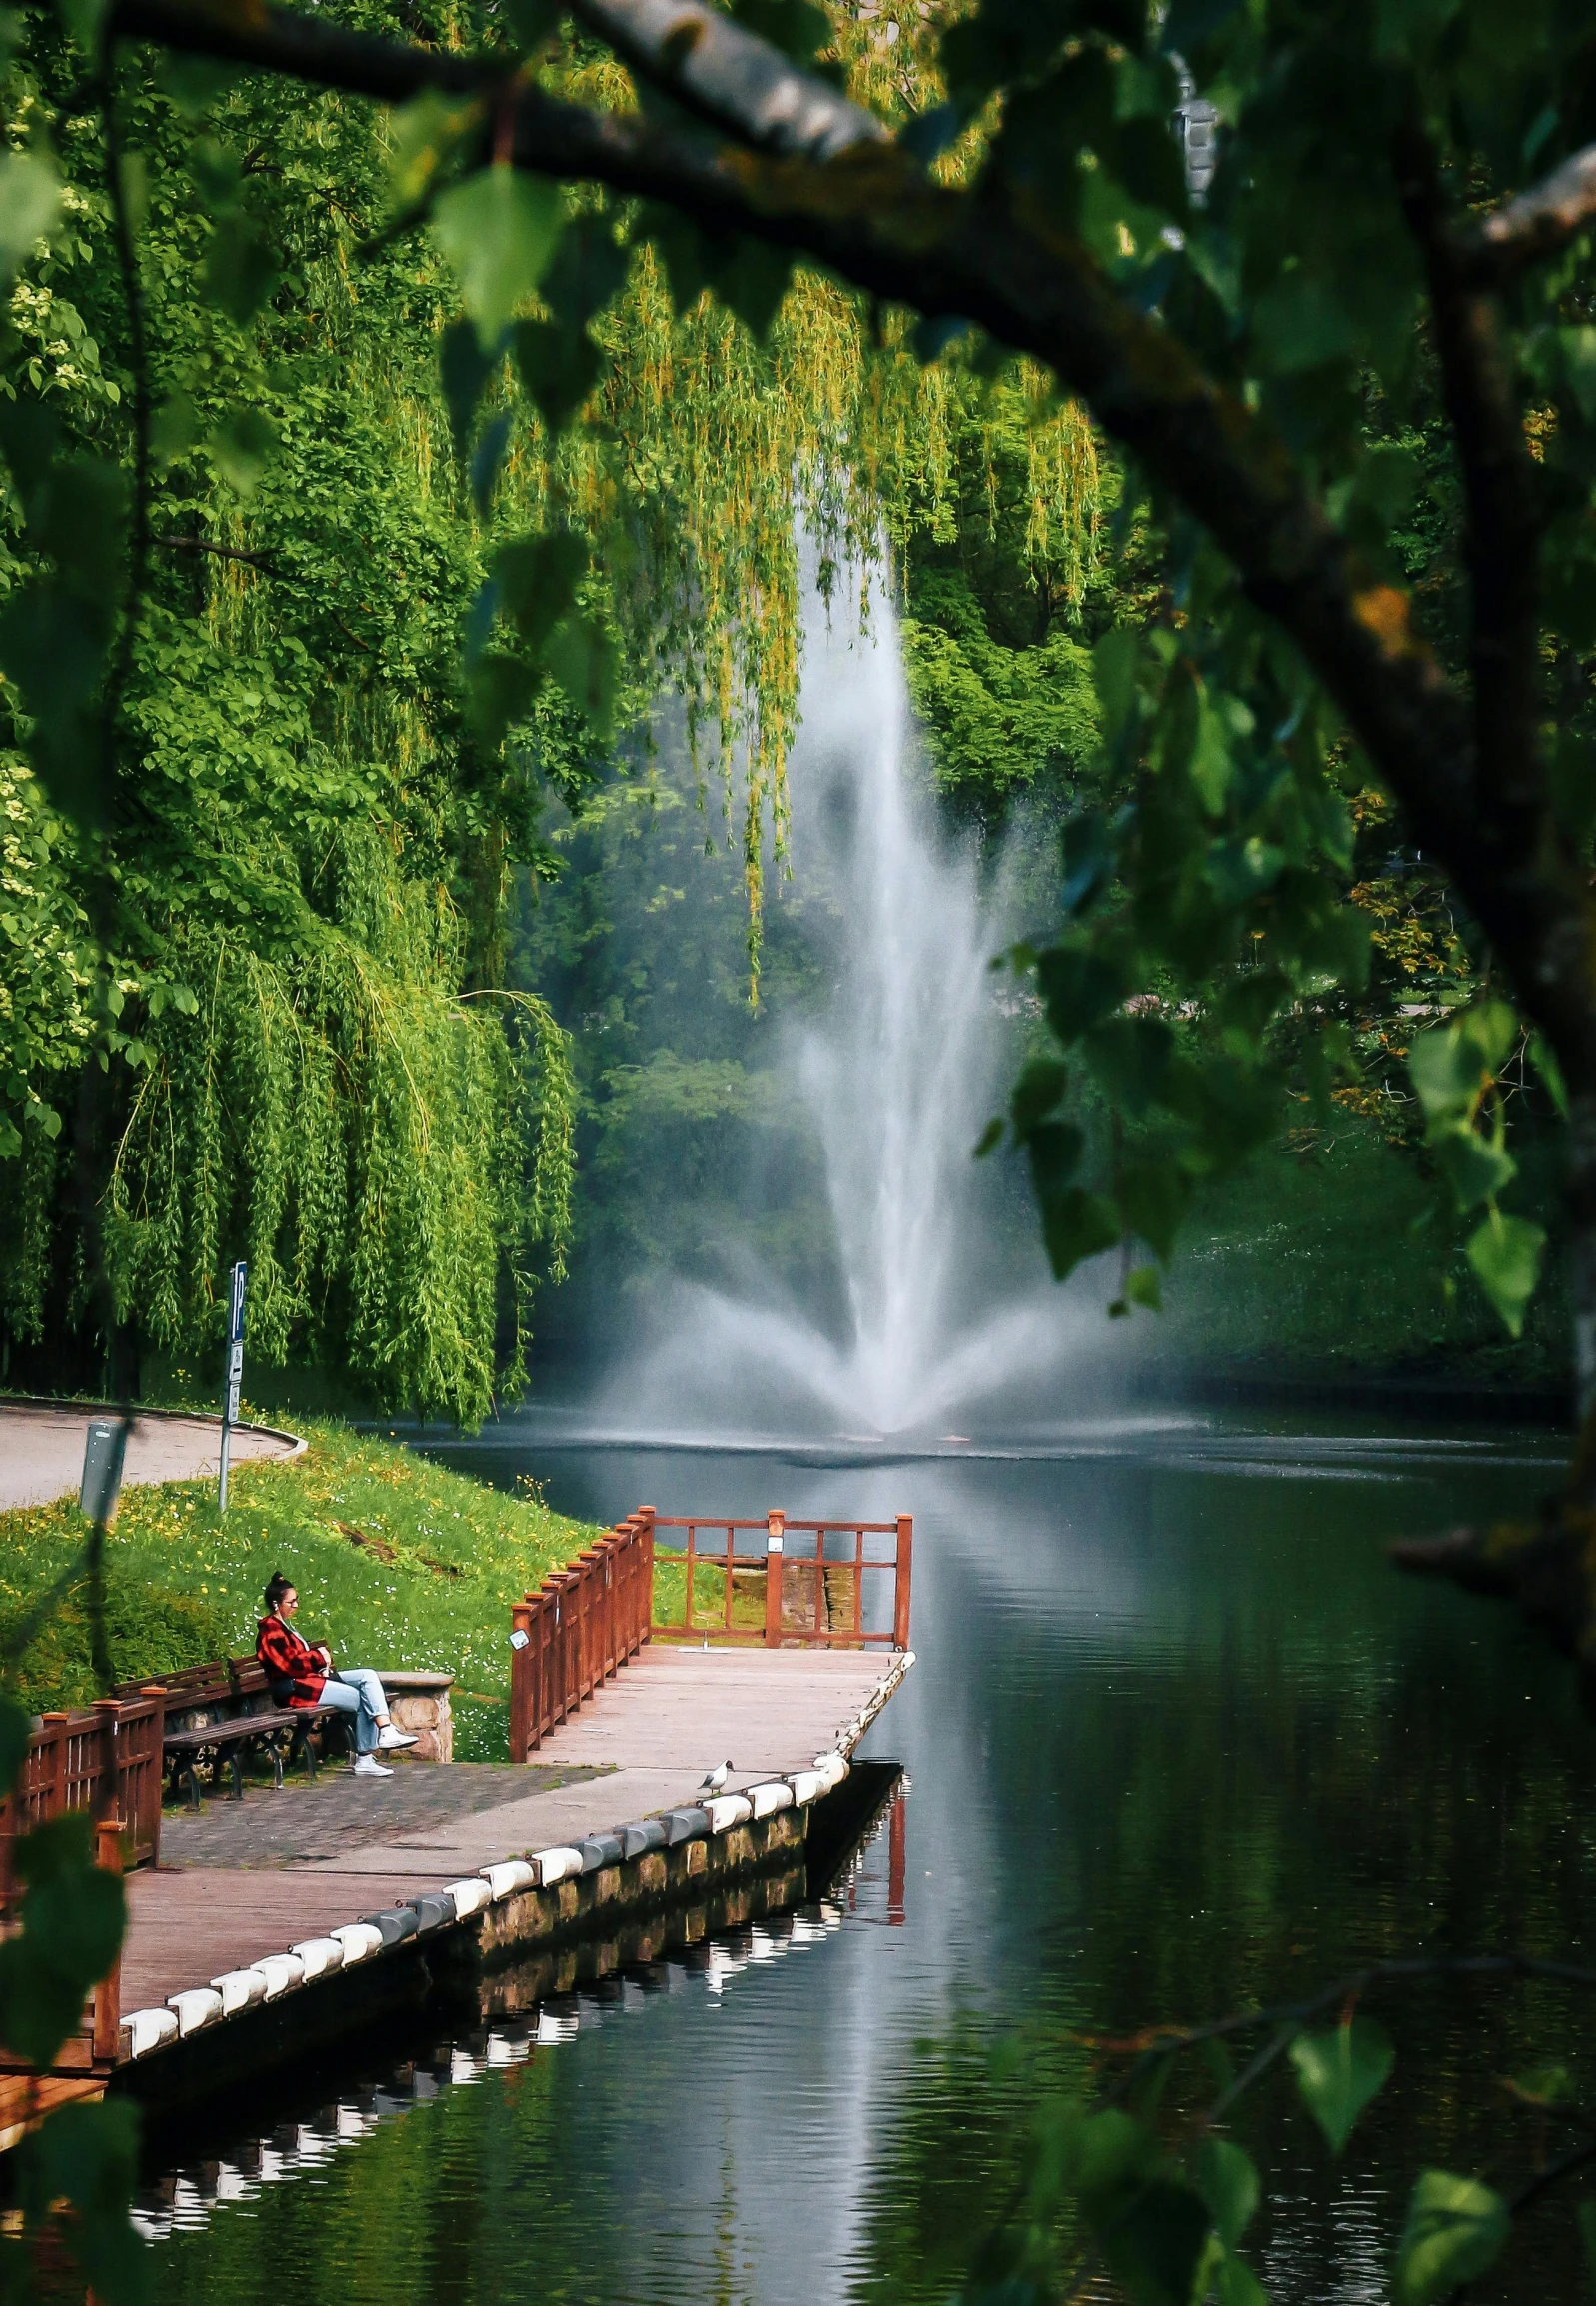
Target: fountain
(898,1075)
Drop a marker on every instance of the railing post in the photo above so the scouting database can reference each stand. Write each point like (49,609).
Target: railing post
(775,1535)
(53,1790)
(155,1771)
(905,1565)
(521,1677)
(107,2000)
(645,1516)
(105,1801)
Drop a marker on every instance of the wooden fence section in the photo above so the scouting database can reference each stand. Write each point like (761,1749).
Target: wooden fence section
(105,1760)
(107,1763)
(588,1620)
(583,1625)
(784,1594)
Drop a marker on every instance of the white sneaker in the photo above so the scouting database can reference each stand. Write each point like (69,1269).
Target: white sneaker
(392,1740)
(369,1766)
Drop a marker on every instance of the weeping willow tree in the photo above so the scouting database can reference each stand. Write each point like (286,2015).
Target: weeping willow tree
(288,944)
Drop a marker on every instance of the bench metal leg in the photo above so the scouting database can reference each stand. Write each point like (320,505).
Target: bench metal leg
(192,1776)
(235,1763)
(277,1766)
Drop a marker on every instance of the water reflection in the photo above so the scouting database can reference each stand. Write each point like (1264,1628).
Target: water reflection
(1180,1740)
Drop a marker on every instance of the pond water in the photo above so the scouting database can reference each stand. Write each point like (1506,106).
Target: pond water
(1177,1740)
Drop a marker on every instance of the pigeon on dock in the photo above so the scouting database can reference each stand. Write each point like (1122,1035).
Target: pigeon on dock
(717,1778)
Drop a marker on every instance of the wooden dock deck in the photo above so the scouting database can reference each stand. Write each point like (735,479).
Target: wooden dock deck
(259,1926)
(224,1896)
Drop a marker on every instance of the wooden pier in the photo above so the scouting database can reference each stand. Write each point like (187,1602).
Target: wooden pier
(283,1918)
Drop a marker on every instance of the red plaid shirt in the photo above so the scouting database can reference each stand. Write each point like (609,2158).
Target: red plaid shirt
(286,1658)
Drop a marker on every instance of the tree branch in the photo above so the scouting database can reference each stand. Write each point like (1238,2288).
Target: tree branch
(729,77)
(1540,222)
(874,218)
(259,561)
(1501,545)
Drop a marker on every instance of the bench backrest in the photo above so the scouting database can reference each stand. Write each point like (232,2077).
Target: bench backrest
(198,1695)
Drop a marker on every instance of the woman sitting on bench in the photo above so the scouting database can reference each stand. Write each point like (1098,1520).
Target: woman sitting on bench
(302,1676)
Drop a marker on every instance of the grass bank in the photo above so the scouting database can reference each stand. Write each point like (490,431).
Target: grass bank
(398,1565)
(1340,1259)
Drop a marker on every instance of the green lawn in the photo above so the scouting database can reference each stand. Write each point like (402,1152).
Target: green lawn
(185,1584)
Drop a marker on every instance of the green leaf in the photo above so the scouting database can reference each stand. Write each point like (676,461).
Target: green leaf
(752,282)
(239,446)
(15,1730)
(1154,1196)
(1544,1059)
(1455,2229)
(1338,2074)
(1038,1090)
(422,136)
(588,269)
(73,1915)
(1235,2284)
(1299,323)
(1080,988)
(486,459)
(1144,1289)
(1115,662)
(581,657)
(1476,1168)
(1227,2180)
(1076,1224)
(1586,2219)
(240,270)
(463,370)
(1505,1253)
(1212,764)
(84,19)
(499,693)
(1110,2157)
(558,368)
(88,2155)
(1452,1064)
(499,231)
(174,430)
(538,578)
(30,204)
(1156,2244)
(796,27)
(1132,1056)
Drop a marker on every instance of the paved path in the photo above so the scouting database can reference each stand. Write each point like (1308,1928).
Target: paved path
(41,1451)
(641,1745)
(315,1824)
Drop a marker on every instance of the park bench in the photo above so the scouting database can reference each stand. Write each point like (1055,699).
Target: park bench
(223,1711)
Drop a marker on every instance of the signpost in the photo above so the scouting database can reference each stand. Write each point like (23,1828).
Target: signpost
(235,1372)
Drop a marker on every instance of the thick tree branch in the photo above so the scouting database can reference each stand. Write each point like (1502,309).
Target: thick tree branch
(740,84)
(1540,222)
(1501,545)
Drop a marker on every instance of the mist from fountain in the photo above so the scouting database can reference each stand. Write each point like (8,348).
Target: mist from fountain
(898,1075)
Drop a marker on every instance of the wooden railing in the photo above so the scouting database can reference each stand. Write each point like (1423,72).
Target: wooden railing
(583,1625)
(589,1619)
(105,1760)
(786,1594)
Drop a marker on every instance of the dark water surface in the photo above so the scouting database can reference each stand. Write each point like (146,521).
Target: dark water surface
(1178,1739)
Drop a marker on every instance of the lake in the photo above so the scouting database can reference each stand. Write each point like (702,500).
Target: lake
(1177,1740)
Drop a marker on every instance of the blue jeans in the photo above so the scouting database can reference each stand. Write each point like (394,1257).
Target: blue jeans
(357,1690)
